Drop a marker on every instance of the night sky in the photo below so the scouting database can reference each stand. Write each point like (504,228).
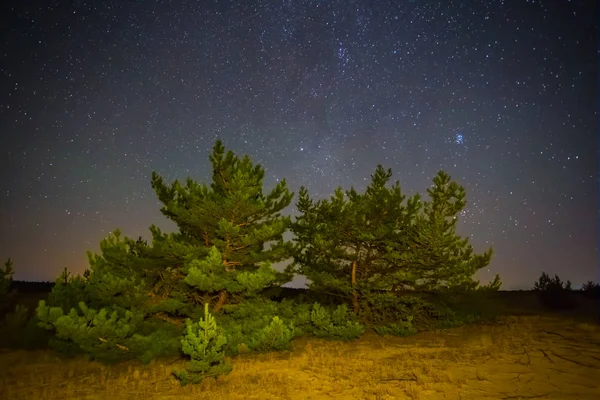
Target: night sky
(502,95)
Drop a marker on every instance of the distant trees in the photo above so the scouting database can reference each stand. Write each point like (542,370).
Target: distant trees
(553,292)
(591,290)
(6,294)
(6,276)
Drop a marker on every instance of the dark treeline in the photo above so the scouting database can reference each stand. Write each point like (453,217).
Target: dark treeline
(24,287)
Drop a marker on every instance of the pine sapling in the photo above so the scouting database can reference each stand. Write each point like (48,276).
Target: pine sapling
(204,344)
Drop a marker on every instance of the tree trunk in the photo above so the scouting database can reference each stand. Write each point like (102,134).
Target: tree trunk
(220,302)
(354,293)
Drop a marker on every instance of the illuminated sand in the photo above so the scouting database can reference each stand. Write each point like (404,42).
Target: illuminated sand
(519,358)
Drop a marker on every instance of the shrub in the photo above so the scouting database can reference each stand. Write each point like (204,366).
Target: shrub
(336,324)
(402,328)
(553,293)
(381,309)
(106,335)
(275,336)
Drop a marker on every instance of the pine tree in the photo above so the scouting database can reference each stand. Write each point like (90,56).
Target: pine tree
(436,256)
(232,220)
(361,244)
(228,236)
(203,342)
(341,243)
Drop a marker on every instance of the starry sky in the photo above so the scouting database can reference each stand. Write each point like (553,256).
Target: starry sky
(502,95)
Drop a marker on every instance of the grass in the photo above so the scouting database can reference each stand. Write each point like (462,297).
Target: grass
(523,356)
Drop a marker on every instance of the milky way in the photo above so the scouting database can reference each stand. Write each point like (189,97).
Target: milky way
(502,95)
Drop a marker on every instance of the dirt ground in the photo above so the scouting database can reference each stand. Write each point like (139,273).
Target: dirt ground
(523,357)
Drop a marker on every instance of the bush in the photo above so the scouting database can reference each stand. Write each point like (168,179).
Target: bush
(381,309)
(425,310)
(276,336)
(554,293)
(107,335)
(402,328)
(336,324)
(243,324)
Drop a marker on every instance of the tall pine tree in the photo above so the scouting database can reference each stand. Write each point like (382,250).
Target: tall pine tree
(341,243)
(229,234)
(240,228)
(432,255)
(355,244)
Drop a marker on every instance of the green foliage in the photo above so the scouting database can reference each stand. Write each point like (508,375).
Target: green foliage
(382,309)
(352,244)
(134,297)
(68,291)
(65,348)
(341,242)
(401,328)
(276,336)
(591,290)
(232,223)
(492,286)
(358,249)
(553,293)
(163,340)
(439,257)
(118,275)
(105,335)
(336,324)
(298,314)
(209,276)
(244,324)
(204,343)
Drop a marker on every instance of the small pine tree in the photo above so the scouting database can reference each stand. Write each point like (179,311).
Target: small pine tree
(67,291)
(204,343)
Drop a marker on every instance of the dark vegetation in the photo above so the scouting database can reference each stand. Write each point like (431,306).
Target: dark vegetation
(375,261)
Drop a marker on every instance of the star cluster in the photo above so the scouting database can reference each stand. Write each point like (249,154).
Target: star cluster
(94,96)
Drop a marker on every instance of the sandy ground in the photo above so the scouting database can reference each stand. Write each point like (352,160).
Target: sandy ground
(520,358)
